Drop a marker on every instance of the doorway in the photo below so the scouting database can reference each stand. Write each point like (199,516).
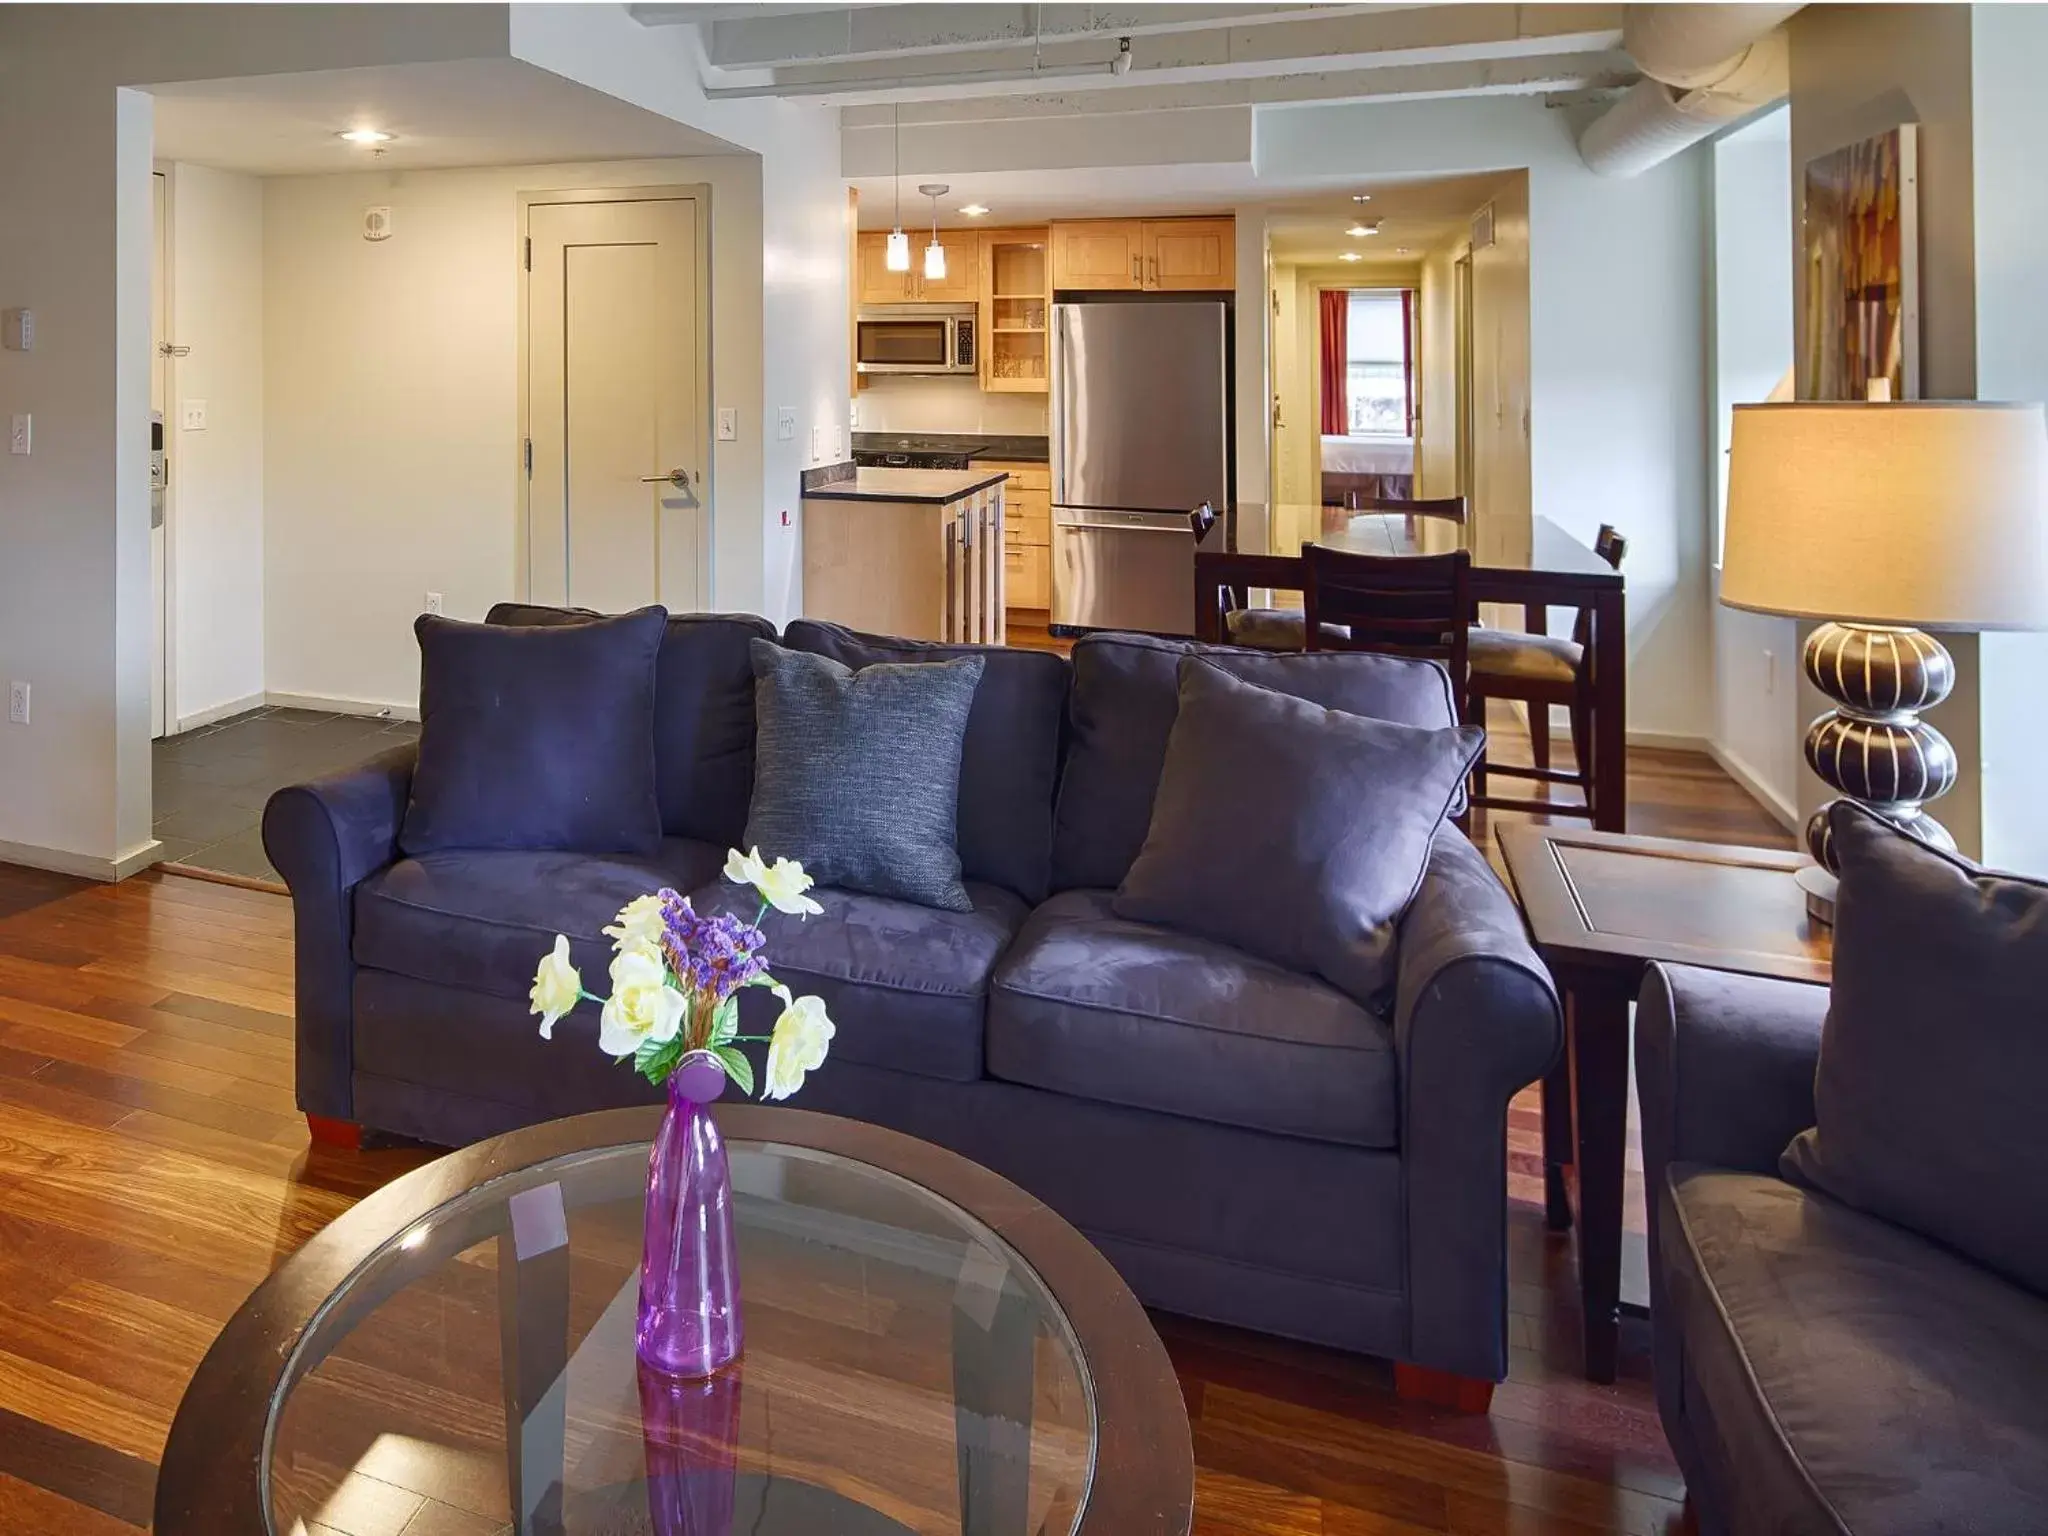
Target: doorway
(1461,299)
(160,706)
(615,384)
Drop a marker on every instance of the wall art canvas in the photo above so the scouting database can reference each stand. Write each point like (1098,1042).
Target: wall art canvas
(1860,244)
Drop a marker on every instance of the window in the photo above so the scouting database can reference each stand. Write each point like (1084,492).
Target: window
(1378,395)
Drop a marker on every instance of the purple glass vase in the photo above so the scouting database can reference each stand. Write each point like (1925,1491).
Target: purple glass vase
(692,1435)
(689,1266)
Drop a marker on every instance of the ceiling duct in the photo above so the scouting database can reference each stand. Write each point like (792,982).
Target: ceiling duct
(1706,66)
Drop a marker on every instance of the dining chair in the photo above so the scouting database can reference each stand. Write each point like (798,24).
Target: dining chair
(1406,605)
(1541,670)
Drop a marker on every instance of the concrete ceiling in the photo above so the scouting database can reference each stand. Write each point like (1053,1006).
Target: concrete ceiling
(1219,53)
(463,113)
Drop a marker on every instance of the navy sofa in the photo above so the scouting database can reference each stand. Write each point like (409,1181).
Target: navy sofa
(1818,1369)
(1244,1143)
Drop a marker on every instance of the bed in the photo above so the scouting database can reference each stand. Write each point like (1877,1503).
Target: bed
(1367,468)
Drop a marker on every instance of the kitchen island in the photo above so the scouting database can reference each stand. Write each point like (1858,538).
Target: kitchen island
(910,552)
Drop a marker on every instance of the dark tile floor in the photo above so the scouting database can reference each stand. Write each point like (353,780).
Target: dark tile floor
(211,784)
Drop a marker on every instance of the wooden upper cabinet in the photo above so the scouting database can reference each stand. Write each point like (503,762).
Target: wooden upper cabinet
(878,285)
(1190,254)
(962,282)
(1105,255)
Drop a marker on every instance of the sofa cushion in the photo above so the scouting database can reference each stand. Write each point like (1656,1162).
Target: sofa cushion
(1104,1008)
(859,772)
(1126,694)
(481,919)
(906,984)
(1854,1376)
(1292,831)
(532,739)
(1934,1056)
(703,715)
(1010,759)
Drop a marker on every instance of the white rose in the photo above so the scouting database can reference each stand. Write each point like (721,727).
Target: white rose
(643,1006)
(639,927)
(798,1044)
(782,884)
(556,987)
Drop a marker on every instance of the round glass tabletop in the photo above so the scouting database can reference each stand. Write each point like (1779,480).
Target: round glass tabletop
(461,1363)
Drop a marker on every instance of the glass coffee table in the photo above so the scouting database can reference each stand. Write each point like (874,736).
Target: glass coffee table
(928,1349)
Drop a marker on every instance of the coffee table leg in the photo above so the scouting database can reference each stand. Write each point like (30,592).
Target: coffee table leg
(1557,1142)
(994,1337)
(533,1342)
(1600,1041)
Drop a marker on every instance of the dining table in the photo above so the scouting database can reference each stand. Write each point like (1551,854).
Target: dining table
(1557,570)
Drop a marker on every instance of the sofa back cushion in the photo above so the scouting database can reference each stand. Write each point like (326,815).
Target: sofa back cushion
(703,716)
(1934,1056)
(1009,763)
(1125,697)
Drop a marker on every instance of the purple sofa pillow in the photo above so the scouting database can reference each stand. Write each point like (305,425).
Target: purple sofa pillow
(536,738)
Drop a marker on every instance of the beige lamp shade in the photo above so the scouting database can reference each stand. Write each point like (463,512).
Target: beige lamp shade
(1929,514)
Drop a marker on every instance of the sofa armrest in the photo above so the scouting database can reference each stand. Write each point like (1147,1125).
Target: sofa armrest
(326,838)
(1724,1067)
(1476,1020)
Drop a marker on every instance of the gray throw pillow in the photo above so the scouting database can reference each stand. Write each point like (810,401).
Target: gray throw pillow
(1292,831)
(1934,1056)
(857,774)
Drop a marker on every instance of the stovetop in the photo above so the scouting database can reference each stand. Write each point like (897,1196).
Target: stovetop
(943,450)
(869,458)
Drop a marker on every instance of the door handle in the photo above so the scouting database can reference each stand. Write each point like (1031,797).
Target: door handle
(679,478)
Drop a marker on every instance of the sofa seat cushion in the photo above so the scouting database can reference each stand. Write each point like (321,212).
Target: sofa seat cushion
(1860,1377)
(907,985)
(1104,1008)
(482,919)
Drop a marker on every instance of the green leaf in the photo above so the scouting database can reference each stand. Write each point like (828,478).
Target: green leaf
(726,1022)
(655,1061)
(762,980)
(737,1067)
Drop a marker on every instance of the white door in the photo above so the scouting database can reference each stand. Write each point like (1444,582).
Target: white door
(159,392)
(618,512)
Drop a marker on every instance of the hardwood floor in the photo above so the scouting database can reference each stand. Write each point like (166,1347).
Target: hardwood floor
(153,1169)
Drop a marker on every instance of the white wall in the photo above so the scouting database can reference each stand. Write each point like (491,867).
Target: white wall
(1617,347)
(1436,447)
(1756,657)
(907,403)
(216,521)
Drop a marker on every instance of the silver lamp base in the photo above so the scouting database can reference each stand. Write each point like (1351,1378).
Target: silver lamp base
(1873,747)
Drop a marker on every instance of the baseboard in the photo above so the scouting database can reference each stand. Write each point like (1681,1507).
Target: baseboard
(1669,741)
(219,712)
(84,866)
(335,706)
(1786,813)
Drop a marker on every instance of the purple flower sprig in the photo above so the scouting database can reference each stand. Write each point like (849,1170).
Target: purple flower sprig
(712,955)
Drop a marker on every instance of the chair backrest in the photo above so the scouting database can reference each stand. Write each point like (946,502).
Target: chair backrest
(1452,509)
(1406,605)
(1610,546)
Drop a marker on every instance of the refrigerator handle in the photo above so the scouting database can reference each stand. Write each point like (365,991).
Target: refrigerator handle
(1056,381)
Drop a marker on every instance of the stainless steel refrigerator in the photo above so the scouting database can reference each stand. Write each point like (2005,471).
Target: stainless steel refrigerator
(1141,434)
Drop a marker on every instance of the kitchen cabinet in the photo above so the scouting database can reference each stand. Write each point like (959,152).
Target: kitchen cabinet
(910,552)
(1145,255)
(1016,303)
(878,285)
(1105,255)
(1027,534)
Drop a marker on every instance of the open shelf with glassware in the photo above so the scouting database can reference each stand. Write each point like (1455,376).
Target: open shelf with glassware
(1016,309)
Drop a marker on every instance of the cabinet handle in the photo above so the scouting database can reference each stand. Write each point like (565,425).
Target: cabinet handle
(1137,275)
(1155,270)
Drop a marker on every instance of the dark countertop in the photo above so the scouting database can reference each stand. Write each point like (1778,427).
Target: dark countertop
(936,486)
(1019,450)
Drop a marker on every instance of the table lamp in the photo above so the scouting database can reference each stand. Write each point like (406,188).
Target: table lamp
(1886,520)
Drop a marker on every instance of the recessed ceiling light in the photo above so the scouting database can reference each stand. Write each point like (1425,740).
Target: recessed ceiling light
(366,136)
(1360,231)
(1351,256)
(1400,250)
(975,210)
(1361,197)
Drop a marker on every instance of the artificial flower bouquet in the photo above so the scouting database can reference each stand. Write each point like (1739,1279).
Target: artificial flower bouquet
(676,980)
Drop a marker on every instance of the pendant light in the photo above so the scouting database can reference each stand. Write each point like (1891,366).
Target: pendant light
(898,259)
(935,253)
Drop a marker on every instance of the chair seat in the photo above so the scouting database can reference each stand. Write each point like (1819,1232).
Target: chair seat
(1512,653)
(908,985)
(1854,1376)
(1275,629)
(481,919)
(1095,1006)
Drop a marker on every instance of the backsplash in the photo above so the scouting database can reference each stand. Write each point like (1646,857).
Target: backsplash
(911,404)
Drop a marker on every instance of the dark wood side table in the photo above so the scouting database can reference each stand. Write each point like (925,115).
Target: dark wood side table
(1601,906)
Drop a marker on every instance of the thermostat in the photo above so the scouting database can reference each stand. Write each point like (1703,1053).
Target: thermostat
(377,223)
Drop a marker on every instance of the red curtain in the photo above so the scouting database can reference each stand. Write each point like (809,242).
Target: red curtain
(1336,316)
(1408,358)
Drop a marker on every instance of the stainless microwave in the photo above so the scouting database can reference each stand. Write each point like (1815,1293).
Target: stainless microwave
(915,338)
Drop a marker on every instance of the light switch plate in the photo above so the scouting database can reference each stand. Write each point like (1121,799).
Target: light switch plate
(785,423)
(17,703)
(192,416)
(18,432)
(18,330)
(817,444)
(728,424)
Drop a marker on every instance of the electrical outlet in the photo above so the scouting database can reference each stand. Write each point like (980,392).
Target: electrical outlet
(785,424)
(817,444)
(18,434)
(17,703)
(192,416)
(434,603)
(728,424)
(838,443)
(853,413)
